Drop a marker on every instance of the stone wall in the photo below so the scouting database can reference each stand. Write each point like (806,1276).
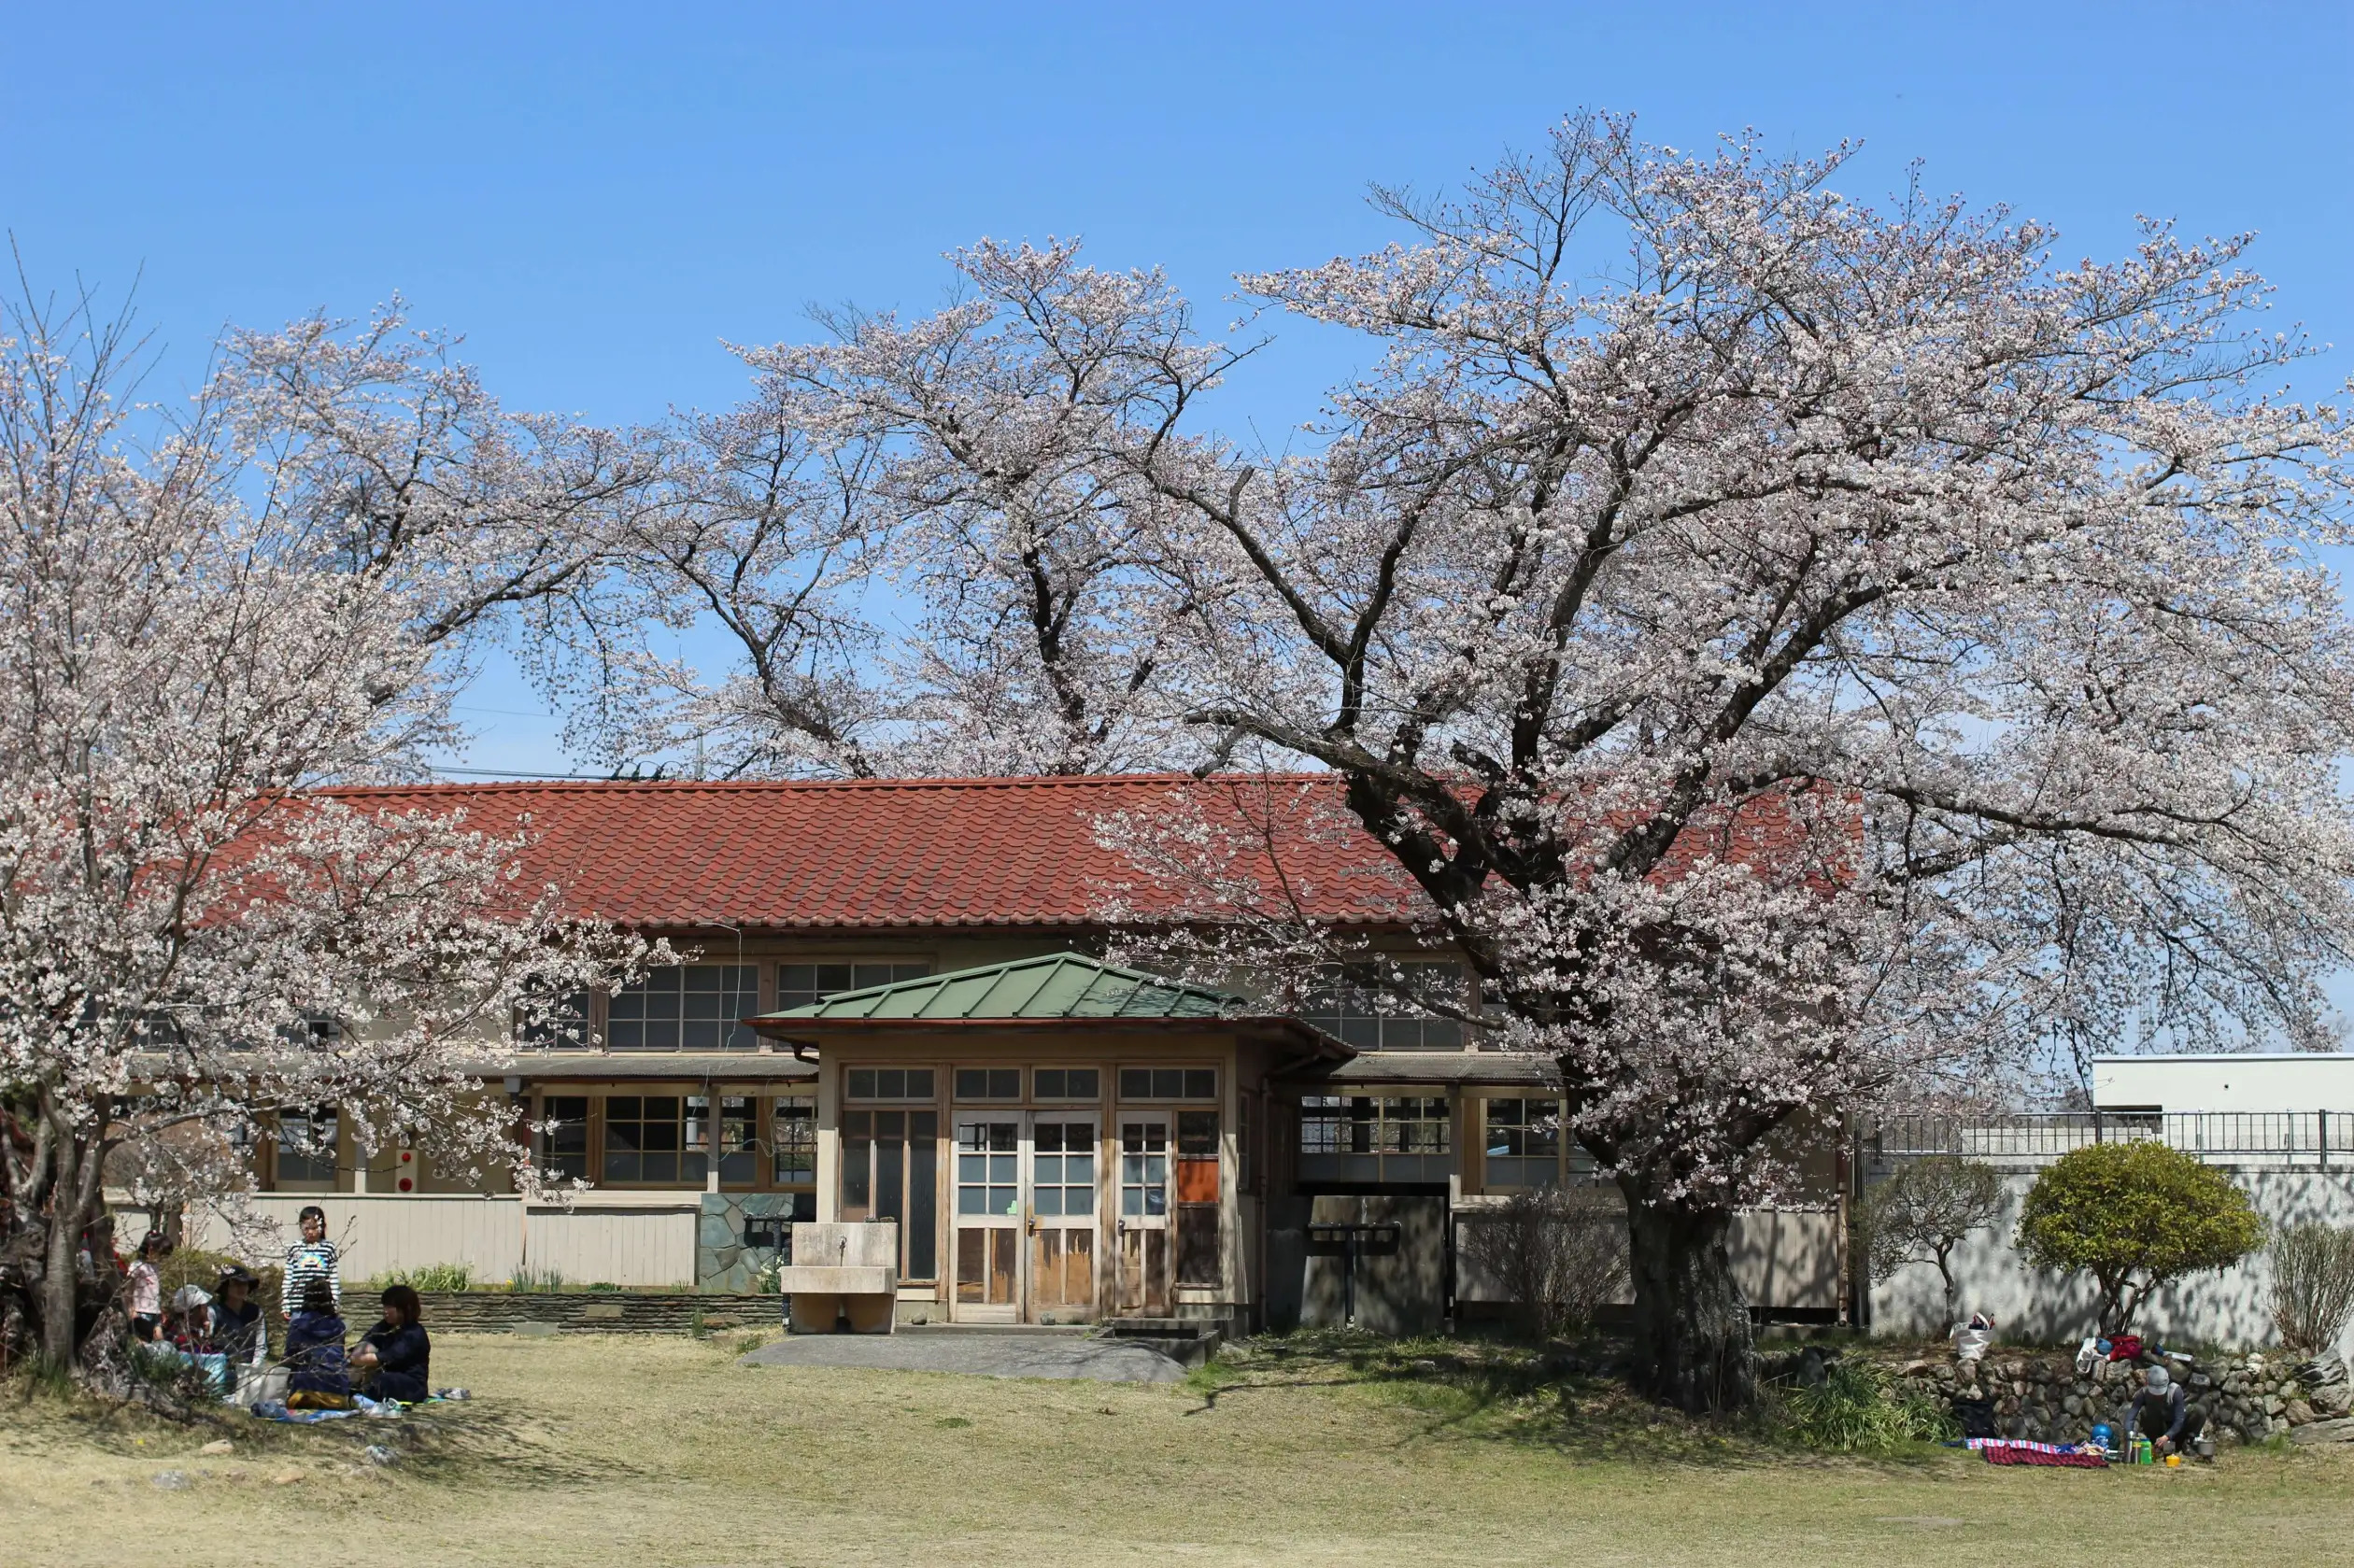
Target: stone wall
(2244,1398)
(725,1258)
(594,1311)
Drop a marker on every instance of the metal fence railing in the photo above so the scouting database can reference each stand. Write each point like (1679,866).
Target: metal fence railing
(2289,1140)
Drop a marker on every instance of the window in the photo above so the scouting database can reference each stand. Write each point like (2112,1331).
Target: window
(1062,1167)
(564,1136)
(691,1007)
(1168,1083)
(989,1155)
(800,985)
(306,1146)
(1524,1143)
(1371,1018)
(1066,1083)
(1143,1168)
(561,1025)
(796,1141)
(655,1140)
(988,1083)
(891,1083)
(739,1140)
(890,1171)
(1374,1137)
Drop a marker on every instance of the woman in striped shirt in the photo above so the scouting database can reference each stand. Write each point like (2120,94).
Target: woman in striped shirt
(314,1257)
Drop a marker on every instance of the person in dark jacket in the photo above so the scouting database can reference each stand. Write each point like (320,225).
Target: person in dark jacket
(2161,1412)
(316,1375)
(237,1329)
(395,1357)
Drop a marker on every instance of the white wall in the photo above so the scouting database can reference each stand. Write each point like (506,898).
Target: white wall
(2231,1308)
(639,1243)
(2244,1081)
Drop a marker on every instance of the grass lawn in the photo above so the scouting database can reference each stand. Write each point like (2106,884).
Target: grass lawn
(656,1451)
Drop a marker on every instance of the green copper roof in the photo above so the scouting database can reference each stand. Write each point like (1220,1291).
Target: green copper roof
(1053,985)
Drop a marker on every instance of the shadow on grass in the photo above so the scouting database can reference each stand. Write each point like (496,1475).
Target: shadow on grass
(1566,1399)
(476,1443)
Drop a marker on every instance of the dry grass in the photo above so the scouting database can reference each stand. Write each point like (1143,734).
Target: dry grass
(657,1451)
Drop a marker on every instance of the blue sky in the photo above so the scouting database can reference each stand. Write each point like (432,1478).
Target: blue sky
(598,195)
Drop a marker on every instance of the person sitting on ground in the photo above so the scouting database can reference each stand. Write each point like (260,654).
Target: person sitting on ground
(316,1375)
(314,1257)
(395,1357)
(146,1278)
(2161,1412)
(188,1326)
(238,1332)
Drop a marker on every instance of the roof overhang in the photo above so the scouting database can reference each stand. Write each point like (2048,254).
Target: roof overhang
(1313,1043)
(1467,1070)
(734,1065)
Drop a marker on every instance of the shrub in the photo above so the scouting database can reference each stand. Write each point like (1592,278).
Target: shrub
(2134,1216)
(193,1265)
(1925,1210)
(1855,1409)
(431,1276)
(1561,1258)
(2313,1284)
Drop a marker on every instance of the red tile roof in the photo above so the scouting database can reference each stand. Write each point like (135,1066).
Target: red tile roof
(891,853)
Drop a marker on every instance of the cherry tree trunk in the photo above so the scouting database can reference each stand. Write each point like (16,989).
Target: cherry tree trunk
(1692,1323)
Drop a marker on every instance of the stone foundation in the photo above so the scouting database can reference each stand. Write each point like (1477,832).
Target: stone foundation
(2245,1398)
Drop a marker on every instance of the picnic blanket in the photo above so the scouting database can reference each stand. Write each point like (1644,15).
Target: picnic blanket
(375,1410)
(2017,1450)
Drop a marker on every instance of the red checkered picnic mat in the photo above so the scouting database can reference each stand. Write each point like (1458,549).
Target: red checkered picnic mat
(2013,1451)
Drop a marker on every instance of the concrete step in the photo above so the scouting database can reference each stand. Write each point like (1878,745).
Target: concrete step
(1187,1341)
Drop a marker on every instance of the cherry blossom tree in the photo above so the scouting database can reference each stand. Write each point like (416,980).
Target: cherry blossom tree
(192,934)
(381,453)
(1802,653)
(912,544)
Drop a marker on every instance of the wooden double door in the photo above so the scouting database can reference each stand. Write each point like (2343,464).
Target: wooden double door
(1055,1223)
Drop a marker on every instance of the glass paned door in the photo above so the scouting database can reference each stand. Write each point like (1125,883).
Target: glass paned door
(1144,1213)
(1062,1218)
(988,1217)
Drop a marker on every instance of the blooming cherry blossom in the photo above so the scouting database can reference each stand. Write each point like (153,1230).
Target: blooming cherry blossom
(202,921)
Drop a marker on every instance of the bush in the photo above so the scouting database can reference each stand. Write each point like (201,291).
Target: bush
(2313,1284)
(431,1276)
(193,1265)
(1855,1409)
(1561,1258)
(2134,1216)
(1925,1210)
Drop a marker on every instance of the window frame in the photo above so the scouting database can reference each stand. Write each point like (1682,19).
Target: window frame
(789,992)
(993,1077)
(311,1159)
(1040,1096)
(1381,1148)
(739,981)
(860,1137)
(1151,1096)
(1341,1008)
(929,1095)
(1571,1164)
(766,1098)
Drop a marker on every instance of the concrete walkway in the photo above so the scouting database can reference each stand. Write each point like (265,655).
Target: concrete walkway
(976,1352)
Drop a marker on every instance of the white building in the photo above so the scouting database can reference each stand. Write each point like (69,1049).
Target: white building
(2225,1081)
